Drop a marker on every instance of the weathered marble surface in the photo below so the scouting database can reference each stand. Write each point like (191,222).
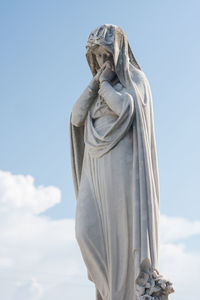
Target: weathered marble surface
(115,173)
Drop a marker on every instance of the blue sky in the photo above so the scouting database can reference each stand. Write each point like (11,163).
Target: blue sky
(43,70)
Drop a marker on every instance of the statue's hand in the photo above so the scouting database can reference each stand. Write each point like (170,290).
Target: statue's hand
(104,73)
(94,84)
(108,74)
(97,76)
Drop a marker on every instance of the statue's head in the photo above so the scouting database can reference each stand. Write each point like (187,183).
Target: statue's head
(109,42)
(101,55)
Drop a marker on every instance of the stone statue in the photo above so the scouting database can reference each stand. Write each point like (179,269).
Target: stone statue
(115,173)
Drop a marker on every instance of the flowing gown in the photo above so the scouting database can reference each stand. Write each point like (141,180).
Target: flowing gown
(115,174)
(104,218)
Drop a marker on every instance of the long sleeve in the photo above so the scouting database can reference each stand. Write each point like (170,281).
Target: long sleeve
(82,105)
(113,98)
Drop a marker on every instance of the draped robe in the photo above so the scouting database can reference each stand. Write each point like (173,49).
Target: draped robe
(115,174)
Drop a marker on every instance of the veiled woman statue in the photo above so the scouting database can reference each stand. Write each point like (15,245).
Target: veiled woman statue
(115,173)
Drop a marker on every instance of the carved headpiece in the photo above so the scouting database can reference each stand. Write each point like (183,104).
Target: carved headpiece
(102,35)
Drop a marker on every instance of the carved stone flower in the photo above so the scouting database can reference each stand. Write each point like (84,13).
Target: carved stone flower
(147,297)
(150,285)
(142,279)
(140,290)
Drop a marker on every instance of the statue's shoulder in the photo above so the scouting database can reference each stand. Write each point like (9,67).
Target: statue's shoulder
(141,81)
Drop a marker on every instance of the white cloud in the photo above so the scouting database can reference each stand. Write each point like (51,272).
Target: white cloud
(40,259)
(18,191)
(30,290)
(182,267)
(174,229)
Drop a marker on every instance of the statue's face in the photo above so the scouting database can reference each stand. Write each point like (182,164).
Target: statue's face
(102,55)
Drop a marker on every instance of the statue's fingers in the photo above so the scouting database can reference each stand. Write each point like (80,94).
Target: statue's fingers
(108,64)
(103,67)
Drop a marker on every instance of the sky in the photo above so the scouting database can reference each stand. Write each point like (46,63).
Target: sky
(43,70)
